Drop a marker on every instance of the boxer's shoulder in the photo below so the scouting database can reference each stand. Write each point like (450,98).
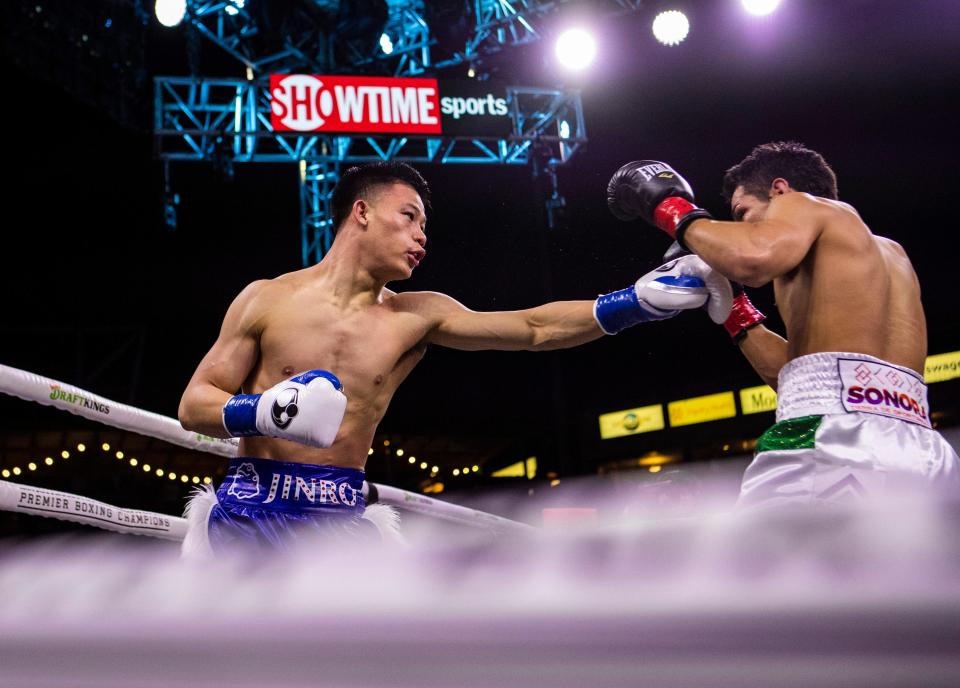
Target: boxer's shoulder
(891,246)
(424,303)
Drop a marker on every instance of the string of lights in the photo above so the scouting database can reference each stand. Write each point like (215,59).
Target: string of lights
(107,451)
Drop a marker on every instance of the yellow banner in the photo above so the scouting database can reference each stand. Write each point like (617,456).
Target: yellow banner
(758,399)
(631,421)
(942,367)
(702,409)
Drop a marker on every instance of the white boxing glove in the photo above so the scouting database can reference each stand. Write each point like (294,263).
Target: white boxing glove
(308,408)
(660,294)
(718,287)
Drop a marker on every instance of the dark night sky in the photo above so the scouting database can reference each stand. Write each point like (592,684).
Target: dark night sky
(869,84)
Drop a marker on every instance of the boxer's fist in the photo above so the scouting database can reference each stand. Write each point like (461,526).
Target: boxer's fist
(307,408)
(653,191)
(662,293)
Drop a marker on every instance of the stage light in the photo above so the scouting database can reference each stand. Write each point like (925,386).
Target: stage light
(234,6)
(386,45)
(760,8)
(576,49)
(564,129)
(170,12)
(671,27)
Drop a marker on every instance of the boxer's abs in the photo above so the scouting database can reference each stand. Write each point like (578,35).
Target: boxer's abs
(370,355)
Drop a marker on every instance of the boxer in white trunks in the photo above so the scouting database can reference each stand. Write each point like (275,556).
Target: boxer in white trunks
(852,412)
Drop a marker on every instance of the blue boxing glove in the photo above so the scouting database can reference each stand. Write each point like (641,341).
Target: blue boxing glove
(308,408)
(680,284)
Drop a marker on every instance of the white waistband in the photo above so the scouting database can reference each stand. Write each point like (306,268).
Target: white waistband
(838,382)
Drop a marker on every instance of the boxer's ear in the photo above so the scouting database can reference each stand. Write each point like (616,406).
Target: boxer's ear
(361,211)
(779,186)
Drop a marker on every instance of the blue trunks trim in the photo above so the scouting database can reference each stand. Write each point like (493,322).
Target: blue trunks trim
(272,503)
(291,487)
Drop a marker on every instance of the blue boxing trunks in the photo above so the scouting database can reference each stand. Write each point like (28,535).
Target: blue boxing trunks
(273,504)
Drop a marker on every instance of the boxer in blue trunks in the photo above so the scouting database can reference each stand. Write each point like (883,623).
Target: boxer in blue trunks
(317,354)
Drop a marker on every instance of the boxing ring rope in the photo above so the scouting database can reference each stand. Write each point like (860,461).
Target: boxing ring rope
(70,507)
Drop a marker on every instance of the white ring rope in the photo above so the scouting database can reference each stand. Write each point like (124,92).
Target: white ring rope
(43,390)
(69,507)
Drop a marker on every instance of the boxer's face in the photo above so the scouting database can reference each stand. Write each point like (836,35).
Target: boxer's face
(745,207)
(397,222)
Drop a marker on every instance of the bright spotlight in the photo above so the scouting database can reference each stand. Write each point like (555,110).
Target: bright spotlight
(576,49)
(386,45)
(671,27)
(234,8)
(760,8)
(170,12)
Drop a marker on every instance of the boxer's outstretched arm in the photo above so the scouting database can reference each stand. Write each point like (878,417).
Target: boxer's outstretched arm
(755,253)
(766,351)
(660,294)
(224,368)
(556,325)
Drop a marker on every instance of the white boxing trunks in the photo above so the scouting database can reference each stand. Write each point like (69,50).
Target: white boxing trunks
(849,427)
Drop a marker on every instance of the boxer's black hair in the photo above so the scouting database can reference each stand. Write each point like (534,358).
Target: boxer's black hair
(357,182)
(805,169)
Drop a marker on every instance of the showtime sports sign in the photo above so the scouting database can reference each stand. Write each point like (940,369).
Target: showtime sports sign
(308,103)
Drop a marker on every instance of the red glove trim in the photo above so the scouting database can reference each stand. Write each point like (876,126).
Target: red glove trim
(669,212)
(743,316)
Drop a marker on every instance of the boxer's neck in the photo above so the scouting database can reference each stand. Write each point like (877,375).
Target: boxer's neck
(345,277)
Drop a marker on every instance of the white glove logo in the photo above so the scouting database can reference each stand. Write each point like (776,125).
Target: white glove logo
(285,408)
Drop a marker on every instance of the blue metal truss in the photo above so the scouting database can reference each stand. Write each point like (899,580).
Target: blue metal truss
(496,24)
(204,119)
(194,119)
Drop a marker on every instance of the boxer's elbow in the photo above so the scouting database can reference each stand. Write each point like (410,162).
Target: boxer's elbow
(187,412)
(753,269)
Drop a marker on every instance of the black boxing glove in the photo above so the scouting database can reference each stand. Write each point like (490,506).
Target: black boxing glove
(655,192)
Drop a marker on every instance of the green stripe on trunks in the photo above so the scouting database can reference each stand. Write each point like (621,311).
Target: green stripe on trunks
(795,433)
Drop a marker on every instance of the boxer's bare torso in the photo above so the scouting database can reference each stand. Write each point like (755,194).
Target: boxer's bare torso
(854,291)
(339,316)
(838,287)
(298,324)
